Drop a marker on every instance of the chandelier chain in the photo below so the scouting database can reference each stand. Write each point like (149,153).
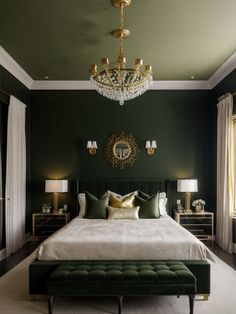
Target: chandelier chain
(122,50)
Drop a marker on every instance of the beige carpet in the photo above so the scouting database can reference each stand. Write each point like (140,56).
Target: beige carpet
(14,297)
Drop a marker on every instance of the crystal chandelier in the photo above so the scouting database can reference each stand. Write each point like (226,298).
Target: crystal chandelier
(117,82)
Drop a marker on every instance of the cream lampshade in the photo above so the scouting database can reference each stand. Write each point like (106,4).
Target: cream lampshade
(55,187)
(187,186)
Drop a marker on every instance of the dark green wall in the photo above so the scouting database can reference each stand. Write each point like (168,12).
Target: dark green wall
(182,122)
(10,85)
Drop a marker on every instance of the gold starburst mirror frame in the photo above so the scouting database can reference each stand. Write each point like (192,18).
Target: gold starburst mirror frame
(121,150)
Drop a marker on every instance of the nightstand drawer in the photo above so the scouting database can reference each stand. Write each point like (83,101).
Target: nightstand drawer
(46,224)
(201,225)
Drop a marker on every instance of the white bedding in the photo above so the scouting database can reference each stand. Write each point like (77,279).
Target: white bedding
(100,239)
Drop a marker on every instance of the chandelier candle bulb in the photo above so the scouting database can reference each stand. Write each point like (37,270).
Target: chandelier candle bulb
(138,62)
(105,62)
(93,69)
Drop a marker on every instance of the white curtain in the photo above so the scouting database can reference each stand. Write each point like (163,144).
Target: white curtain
(225,173)
(15,177)
(1,195)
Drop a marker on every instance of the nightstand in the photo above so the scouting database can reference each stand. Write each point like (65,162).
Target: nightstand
(44,225)
(199,224)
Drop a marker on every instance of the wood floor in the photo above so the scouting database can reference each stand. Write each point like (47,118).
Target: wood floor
(10,262)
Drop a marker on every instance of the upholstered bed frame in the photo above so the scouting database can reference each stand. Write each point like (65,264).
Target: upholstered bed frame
(39,271)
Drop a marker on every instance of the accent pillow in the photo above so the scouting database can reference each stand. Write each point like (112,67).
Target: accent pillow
(162,201)
(82,204)
(149,207)
(126,201)
(123,213)
(96,208)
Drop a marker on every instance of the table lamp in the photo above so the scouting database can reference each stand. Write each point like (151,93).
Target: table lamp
(56,187)
(187,186)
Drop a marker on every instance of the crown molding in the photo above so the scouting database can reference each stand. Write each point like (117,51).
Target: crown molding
(224,70)
(182,85)
(14,68)
(86,85)
(62,85)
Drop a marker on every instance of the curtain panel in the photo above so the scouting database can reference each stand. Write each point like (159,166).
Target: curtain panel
(1,189)
(15,177)
(225,173)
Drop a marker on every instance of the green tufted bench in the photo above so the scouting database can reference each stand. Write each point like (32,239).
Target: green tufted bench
(121,278)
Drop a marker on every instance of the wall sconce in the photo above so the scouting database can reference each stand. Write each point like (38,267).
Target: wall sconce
(56,187)
(92,147)
(150,147)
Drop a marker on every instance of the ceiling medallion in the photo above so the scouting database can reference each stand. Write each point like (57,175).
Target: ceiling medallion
(117,82)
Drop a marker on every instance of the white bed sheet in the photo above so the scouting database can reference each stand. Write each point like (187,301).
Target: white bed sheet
(144,239)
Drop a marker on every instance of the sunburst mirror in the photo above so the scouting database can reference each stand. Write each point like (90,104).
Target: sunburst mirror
(121,150)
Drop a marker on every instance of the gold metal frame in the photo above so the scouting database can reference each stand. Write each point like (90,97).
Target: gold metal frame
(150,151)
(121,137)
(92,151)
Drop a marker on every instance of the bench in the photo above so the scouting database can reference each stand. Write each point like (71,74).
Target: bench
(121,278)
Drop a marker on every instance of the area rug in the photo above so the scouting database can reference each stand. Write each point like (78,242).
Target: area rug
(14,297)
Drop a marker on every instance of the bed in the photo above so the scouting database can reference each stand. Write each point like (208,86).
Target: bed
(99,239)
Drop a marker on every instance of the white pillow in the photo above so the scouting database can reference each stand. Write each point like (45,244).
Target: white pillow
(82,204)
(162,203)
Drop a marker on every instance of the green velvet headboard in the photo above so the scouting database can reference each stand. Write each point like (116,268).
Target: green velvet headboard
(123,186)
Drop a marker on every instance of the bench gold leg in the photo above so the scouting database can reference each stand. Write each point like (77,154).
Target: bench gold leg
(202,297)
(205,297)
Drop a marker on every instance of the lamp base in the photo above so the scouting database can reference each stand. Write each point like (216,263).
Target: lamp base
(188,211)
(187,201)
(55,202)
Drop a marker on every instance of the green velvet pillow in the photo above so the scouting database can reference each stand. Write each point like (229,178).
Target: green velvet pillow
(96,208)
(149,205)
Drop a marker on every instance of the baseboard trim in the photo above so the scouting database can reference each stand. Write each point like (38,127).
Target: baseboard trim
(28,237)
(2,254)
(234,248)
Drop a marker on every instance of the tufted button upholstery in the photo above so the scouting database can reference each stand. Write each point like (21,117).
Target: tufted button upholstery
(121,277)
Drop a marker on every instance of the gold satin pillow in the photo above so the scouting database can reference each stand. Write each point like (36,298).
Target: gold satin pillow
(127,201)
(123,213)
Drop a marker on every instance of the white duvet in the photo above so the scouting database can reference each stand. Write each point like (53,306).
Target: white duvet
(144,239)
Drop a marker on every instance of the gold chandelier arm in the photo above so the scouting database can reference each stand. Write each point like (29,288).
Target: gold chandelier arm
(109,77)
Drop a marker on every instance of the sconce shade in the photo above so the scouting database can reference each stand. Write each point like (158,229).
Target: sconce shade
(94,144)
(56,186)
(187,185)
(148,144)
(154,144)
(89,144)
